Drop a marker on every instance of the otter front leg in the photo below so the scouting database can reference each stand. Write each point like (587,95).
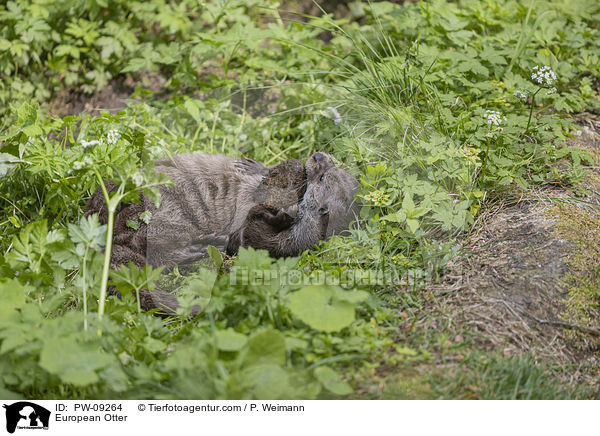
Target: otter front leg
(278,219)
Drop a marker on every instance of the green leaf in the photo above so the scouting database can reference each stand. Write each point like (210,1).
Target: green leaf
(154,345)
(267,381)
(9,395)
(132,224)
(200,287)
(412,225)
(12,296)
(350,296)
(33,130)
(332,381)
(7,163)
(318,307)
(396,217)
(146,216)
(191,106)
(131,277)
(74,362)
(230,340)
(265,347)
(215,255)
(27,113)
(88,232)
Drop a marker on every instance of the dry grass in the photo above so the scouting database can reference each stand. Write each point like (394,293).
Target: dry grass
(529,283)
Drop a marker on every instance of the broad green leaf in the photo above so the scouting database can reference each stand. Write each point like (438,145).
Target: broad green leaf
(33,130)
(267,381)
(9,395)
(295,343)
(74,362)
(191,106)
(265,347)
(230,340)
(413,225)
(318,307)
(332,381)
(350,296)
(397,217)
(12,295)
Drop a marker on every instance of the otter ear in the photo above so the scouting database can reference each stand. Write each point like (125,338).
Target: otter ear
(250,166)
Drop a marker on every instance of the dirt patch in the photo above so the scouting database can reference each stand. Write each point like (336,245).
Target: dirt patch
(512,290)
(112,98)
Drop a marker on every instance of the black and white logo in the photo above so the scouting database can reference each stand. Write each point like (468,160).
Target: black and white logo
(26,415)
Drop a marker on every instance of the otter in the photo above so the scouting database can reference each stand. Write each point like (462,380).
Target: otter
(325,207)
(228,203)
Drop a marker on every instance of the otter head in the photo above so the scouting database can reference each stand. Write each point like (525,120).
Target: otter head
(329,193)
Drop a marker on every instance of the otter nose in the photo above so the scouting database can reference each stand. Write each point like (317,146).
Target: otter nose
(318,157)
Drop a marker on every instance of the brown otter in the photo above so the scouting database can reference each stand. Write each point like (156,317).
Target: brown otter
(277,195)
(212,196)
(325,207)
(227,203)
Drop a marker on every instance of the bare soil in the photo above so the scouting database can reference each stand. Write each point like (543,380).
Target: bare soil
(512,287)
(112,98)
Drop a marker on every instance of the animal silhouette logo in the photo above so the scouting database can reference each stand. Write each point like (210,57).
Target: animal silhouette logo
(26,415)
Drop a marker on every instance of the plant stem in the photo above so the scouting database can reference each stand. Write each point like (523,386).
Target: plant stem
(84,278)
(531,109)
(487,153)
(108,247)
(137,297)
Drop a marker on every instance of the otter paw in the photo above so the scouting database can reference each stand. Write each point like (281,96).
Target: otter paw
(278,219)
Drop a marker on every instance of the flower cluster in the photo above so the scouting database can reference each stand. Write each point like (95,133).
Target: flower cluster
(86,144)
(520,95)
(378,197)
(112,136)
(543,75)
(494,118)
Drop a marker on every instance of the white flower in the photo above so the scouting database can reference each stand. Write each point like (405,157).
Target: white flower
(520,95)
(338,118)
(112,136)
(86,144)
(543,75)
(494,118)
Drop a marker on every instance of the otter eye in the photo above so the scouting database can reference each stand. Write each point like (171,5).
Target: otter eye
(321,178)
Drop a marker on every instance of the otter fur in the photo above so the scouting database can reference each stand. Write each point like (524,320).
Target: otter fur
(228,203)
(325,207)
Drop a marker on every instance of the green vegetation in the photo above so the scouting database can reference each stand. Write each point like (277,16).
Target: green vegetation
(433,105)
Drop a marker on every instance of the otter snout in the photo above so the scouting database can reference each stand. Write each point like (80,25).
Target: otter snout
(316,165)
(318,156)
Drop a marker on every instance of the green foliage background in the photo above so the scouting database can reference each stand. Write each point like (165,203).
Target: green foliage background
(400,95)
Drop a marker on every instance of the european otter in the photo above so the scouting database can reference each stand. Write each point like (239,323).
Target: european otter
(277,195)
(228,203)
(213,195)
(326,206)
